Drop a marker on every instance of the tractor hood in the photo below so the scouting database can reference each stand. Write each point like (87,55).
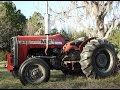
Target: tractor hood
(56,39)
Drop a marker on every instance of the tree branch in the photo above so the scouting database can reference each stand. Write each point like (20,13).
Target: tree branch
(86,2)
(106,8)
(114,25)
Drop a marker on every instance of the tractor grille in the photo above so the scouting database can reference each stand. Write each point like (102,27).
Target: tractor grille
(14,51)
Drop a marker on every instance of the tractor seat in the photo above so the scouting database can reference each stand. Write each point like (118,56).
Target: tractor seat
(78,41)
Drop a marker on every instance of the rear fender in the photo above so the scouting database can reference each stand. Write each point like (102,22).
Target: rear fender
(84,43)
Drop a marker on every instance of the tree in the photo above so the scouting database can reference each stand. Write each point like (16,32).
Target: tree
(99,10)
(12,23)
(92,15)
(54,31)
(35,24)
(65,35)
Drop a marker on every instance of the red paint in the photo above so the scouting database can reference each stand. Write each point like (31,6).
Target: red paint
(23,48)
(56,37)
(67,47)
(22,53)
(9,64)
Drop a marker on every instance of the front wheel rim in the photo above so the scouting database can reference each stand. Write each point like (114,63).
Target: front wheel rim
(34,73)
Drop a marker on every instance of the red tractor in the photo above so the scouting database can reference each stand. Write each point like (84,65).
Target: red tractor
(32,57)
(31,62)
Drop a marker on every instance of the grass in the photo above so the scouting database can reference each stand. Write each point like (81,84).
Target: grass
(59,81)
(3,55)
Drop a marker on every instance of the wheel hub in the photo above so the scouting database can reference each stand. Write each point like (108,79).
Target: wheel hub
(36,73)
(101,60)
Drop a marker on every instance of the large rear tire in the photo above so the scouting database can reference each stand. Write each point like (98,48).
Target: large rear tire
(98,59)
(34,71)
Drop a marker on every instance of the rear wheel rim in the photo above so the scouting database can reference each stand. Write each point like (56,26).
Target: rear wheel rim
(103,60)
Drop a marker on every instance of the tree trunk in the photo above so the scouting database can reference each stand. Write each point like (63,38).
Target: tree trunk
(100,26)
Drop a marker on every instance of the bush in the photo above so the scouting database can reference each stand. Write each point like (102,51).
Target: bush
(72,36)
(76,35)
(54,31)
(115,39)
(65,34)
(3,55)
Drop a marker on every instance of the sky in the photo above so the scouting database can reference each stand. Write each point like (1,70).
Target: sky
(28,7)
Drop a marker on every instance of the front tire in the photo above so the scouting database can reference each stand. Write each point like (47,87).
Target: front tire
(34,71)
(98,59)
(15,73)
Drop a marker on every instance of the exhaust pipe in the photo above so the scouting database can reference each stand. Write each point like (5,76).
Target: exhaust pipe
(47,27)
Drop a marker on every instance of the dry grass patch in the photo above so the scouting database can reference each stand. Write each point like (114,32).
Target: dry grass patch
(59,81)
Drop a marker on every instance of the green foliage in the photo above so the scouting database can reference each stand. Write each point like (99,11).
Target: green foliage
(54,31)
(76,35)
(115,39)
(14,17)
(83,34)
(3,55)
(35,24)
(72,36)
(12,23)
(65,34)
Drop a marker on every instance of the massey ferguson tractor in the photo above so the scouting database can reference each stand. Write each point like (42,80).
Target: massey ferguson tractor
(33,57)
